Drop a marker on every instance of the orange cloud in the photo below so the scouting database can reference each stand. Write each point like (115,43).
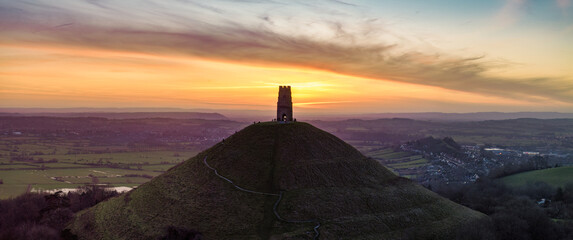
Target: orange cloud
(186,57)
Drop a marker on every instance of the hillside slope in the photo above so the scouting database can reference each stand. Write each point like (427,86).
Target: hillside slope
(322,182)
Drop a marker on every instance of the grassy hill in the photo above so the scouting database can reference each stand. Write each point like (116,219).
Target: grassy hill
(320,178)
(556,177)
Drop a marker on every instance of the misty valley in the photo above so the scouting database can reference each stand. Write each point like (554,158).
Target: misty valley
(525,160)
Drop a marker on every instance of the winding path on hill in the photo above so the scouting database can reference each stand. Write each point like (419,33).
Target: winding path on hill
(275,206)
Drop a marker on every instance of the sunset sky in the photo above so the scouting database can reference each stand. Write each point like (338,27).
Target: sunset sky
(339,56)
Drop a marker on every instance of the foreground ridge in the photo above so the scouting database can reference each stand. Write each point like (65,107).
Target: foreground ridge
(317,233)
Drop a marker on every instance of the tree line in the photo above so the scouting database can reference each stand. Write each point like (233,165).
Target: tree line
(535,211)
(41,216)
(45,216)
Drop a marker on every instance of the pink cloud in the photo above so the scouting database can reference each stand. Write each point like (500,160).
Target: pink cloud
(260,44)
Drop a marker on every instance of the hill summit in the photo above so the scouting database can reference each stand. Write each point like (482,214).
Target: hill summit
(276,181)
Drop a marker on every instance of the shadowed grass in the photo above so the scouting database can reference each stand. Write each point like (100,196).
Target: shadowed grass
(322,177)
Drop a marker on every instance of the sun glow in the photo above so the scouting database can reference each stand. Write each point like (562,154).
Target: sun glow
(358,57)
(75,77)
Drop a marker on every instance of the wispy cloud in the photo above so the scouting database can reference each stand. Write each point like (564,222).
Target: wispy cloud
(272,36)
(564,4)
(320,103)
(510,13)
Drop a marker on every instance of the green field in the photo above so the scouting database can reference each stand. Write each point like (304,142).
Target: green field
(71,171)
(416,161)
(389,154)
(46,153)
(16,182)
(401,163)
(556,177)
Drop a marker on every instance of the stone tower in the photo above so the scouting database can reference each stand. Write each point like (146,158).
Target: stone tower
(284,104)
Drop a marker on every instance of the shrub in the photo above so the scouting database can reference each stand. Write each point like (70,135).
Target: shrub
(38,216)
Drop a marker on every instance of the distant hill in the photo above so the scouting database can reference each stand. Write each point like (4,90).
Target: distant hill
(477,116)
(277,181)
(124,115)
(88,109)
(436,146)
(262,115)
